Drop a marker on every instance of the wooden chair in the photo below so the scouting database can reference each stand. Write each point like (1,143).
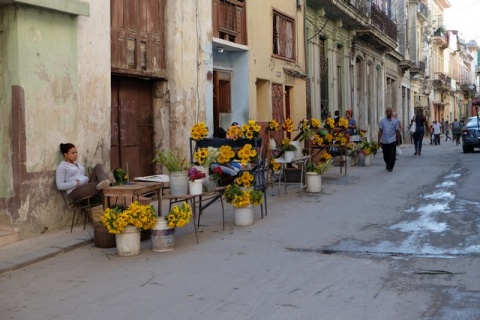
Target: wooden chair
(84,204)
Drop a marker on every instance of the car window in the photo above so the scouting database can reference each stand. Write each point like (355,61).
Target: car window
(474,121)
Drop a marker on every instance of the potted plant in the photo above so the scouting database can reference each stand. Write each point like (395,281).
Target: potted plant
(243,202)
(177,167)
(289,149)
(126,223)
(195,181)
(120,176)
(314,172)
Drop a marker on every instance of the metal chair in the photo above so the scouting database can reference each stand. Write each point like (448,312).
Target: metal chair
(84,204)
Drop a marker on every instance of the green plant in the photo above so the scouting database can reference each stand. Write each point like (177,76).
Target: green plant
(319,168)
(120,176)
(174,161)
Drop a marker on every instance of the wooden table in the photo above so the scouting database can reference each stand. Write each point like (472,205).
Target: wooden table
(133,191)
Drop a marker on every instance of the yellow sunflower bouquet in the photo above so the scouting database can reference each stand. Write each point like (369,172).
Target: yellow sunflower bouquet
(273,125)
(240,198)
(246,154)
(251,129)
(199,131)
(179,216)
(140,216)
(246,180)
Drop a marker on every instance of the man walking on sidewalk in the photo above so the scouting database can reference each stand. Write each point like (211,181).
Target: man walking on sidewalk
(437,130)
(388,133)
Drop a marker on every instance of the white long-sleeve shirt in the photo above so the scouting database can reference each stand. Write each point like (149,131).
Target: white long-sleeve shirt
(67,174)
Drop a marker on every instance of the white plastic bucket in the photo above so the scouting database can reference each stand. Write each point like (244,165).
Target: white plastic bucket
(313,181)
(243,216)
(163,237)
(128,242)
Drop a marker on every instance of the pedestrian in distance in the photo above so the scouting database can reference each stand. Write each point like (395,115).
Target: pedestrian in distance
(420,125)
(437,130)
(388,134)
(70,175)
(447,131)
(456,130)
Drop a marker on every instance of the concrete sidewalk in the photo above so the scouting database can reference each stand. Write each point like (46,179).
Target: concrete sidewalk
(26,252)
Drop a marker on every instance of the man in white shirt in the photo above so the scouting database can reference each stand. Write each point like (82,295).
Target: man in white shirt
(437,129)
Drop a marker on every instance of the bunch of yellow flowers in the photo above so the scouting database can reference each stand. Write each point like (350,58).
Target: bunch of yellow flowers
(288,125)
(315,123)
(234,133)
(317,140)
(226,154)
(140,216)
(199,131)
(342,122)
(240,198)
(274,165)
(272,125)
(329,123)
(206,156)
(340,139)
(328,138)
(245,180)
(251,129)
(179,216)
(325,157)
(246,153)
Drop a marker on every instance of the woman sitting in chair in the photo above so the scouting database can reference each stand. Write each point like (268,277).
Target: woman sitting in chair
(70,176)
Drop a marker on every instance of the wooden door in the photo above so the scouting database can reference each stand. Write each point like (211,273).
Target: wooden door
(132,145)
(222,98)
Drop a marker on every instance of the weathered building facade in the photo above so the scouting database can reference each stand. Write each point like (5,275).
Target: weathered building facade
(351,60)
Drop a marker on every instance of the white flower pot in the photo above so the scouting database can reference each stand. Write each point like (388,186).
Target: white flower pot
(289,155)
(298,145)
(313,181)
(368,160)
(195,187)
(243,216)
(128,242)
(178,183)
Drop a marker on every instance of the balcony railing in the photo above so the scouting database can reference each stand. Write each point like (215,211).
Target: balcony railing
(383,22)
(423,11)
(363,6)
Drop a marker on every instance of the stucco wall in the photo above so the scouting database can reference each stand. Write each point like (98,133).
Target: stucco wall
(265,67)
(59,76)
(7,59)
(94,83)
(189,59)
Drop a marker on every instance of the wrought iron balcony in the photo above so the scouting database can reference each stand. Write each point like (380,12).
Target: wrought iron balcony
(439,38)
(381,34)
(422,11)
(352,13)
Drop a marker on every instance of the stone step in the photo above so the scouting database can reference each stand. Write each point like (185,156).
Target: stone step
(8,235)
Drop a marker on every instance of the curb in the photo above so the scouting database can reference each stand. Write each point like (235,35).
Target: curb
(30,258)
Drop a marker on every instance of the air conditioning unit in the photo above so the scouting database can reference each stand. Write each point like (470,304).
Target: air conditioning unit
(225,120)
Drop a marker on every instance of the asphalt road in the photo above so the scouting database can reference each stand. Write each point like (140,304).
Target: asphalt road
(371,245)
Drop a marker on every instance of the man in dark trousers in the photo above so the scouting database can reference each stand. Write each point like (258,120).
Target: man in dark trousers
(388,133)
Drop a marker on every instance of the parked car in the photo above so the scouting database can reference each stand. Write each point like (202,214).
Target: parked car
(471,134)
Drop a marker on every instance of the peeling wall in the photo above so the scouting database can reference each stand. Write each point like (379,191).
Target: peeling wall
(59,85)
(188,56)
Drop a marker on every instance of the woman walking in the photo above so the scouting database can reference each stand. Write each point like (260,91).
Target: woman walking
(420,123)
